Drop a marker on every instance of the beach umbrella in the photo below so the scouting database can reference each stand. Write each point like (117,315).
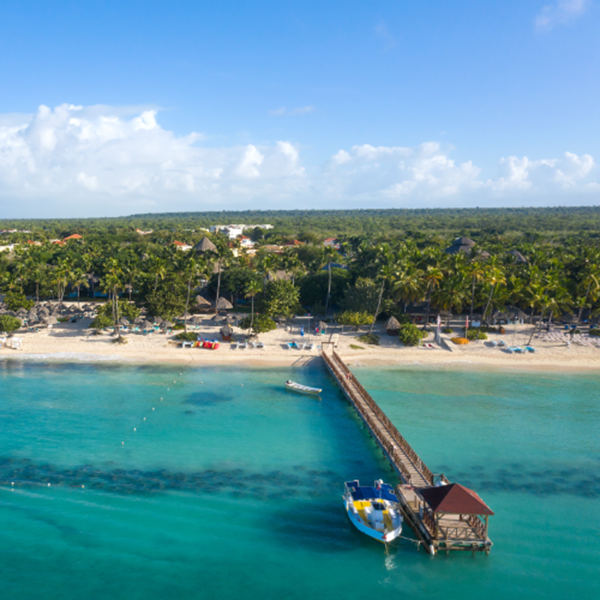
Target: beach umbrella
(392,326)
(22,312)
(12,313)
(32,315)
(167,325)
(50,320)
(223,304)
(226,330)
(124,321)
(195,320)
(138,320)
(201,301)
(147,325)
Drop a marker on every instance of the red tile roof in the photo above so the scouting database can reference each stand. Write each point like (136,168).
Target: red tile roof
(455,499)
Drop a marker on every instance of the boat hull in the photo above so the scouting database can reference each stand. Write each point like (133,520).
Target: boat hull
(303,389)
(380,536)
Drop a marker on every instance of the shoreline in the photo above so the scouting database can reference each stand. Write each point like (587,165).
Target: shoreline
(74,342)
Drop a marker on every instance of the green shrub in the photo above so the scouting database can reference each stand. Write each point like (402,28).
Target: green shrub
(447,330)
(488,329)
(370,338)
(126,309)
(8,323)
(17,300)
(595,332)
(101,322)
(178,326)
(356,347)
(190,336)
(262,323)
(411,335)
(354,318)
(476,334)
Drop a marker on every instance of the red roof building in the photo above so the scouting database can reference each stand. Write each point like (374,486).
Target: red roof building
(455,499)
(75,236)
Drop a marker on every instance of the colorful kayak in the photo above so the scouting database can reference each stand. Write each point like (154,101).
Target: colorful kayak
(373,510)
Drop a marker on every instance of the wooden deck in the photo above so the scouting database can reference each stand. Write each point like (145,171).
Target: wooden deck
(434,531)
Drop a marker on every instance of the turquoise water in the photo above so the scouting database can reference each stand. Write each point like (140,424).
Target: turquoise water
(230,487)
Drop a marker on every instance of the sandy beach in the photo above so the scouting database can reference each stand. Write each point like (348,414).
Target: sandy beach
(75,341)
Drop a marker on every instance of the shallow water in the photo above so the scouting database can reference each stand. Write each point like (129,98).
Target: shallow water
(230,486)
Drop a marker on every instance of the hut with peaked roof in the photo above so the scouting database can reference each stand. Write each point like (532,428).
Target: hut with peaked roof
(222,304)
(511,314)
(392,327)
(205,245)
(461,244)
(517,257)
(457,515)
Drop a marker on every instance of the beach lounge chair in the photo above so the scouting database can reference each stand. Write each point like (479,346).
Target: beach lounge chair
(292,345)
(260,345)
(244,346)
(252,345)
(303,347)
(310,347)
(530,349)
(517,349)
(494,343)
(502,344)
(187,344)
(235,346)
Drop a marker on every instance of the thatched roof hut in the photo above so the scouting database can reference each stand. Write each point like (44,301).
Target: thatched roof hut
(510,314)
(223,304)
(517,257)
(461,244)
(201,301)
(392,326)
(205,245)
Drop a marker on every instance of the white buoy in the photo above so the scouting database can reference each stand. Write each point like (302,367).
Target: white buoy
(135,428)
(12,483)
(168,389)
(144,418)
(83,486)
(173,381)
(122,443)
(48,485)
(153,408)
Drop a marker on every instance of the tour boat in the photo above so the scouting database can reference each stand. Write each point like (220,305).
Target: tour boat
(373,510)
(303,389)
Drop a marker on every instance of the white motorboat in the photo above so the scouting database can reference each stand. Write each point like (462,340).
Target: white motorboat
(374,511)
(303,389)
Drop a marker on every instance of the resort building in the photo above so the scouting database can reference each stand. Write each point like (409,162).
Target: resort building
(182,246)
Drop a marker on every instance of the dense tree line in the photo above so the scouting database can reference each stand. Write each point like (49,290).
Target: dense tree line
(554,272)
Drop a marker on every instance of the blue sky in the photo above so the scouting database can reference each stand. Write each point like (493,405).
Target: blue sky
(118,107)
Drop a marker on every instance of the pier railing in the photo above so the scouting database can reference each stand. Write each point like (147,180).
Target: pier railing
(344,376)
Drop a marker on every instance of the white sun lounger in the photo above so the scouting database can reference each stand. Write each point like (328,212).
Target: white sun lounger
(260,345)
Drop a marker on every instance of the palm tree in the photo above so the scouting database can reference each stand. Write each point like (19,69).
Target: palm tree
(253,287)
(78,278)
(62,273)
(113,280)
(591,282)
(329,253)
(450,296)
(476,271)
(432,277)
(387,272)
(494,276)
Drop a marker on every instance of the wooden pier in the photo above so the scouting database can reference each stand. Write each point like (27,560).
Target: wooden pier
(443,516)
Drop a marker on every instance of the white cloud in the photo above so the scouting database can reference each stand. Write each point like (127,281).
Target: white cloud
(561,12)
(284,112)
(385,173)
(100,161)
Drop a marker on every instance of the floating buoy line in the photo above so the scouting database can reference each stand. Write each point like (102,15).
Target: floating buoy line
(49,484)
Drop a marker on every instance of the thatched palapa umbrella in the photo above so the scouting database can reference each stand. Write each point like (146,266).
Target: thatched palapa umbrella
(392,326)
(147,326)
(202,302)
(223,304)
(226,333)
(50,320)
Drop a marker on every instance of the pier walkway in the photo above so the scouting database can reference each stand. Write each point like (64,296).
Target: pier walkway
(448,517)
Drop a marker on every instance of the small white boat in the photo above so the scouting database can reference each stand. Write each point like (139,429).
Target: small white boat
(374,511)
(303,389)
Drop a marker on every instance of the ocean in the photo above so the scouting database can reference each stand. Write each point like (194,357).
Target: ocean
(174,482)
